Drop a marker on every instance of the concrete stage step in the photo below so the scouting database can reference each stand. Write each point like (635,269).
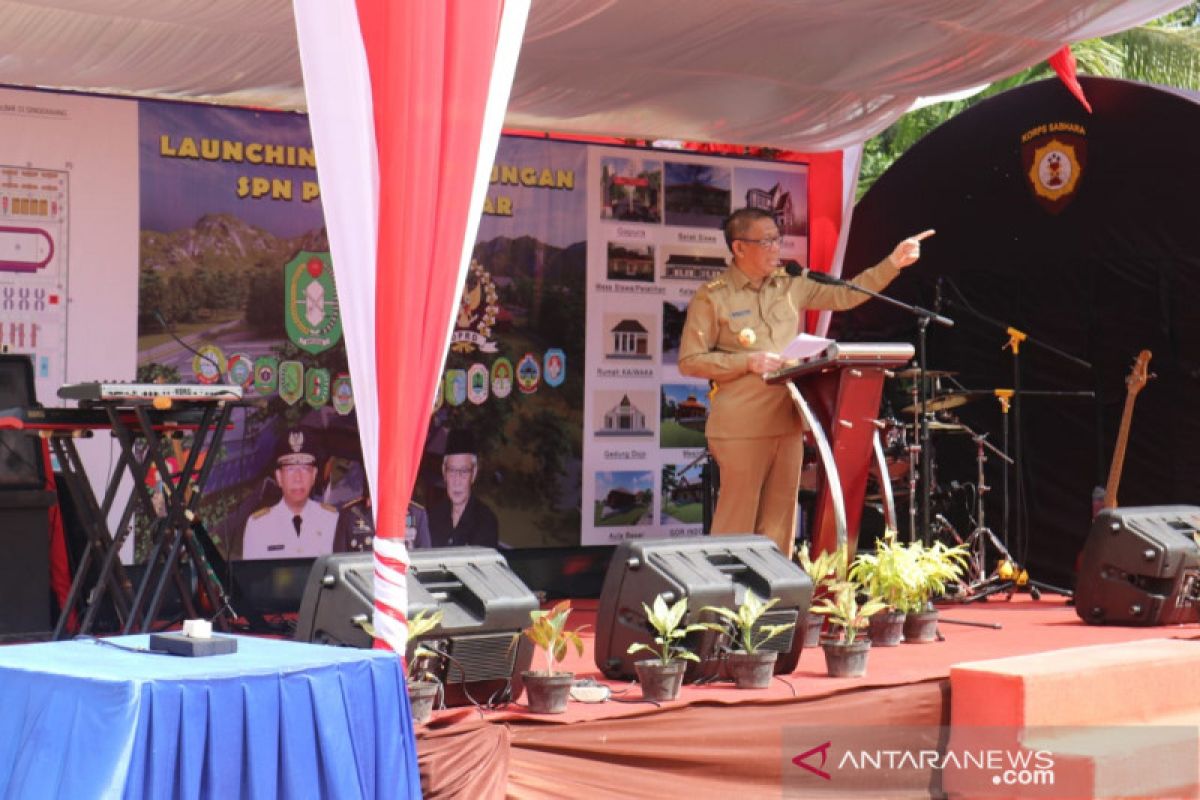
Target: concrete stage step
(1117,720)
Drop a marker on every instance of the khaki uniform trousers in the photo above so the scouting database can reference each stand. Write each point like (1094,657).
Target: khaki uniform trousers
(760,478)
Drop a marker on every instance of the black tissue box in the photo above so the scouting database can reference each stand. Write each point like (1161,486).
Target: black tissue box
(179,645)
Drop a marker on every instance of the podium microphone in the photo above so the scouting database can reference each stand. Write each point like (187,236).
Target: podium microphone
(793,268)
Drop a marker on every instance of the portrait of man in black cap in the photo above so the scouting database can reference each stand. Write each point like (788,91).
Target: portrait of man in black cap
(462,519)
(297,526)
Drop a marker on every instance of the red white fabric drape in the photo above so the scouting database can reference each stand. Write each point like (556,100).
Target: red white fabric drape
(406,102)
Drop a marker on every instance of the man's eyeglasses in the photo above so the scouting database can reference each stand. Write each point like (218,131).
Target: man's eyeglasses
(770,242)
(460,472)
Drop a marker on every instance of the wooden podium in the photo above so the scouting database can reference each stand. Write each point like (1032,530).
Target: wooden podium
(837,392)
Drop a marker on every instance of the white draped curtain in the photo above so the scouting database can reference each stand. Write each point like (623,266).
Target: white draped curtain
(406,103)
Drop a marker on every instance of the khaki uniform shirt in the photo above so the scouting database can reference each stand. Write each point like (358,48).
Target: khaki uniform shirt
(744,405)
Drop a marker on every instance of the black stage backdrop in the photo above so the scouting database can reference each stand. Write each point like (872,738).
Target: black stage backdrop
(1101,269)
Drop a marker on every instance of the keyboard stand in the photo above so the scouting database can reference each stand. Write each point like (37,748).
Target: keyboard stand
(173,533)
(139,430)
(100,543)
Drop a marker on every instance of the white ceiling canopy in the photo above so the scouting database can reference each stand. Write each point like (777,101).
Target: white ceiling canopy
(795,74)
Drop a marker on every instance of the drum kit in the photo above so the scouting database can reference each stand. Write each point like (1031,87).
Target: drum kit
(905,458)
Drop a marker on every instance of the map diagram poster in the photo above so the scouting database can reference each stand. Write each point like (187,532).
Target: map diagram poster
(33,269)
(68,240)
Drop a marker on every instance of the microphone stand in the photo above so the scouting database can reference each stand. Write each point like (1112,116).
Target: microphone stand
(924,317)
(1015,338)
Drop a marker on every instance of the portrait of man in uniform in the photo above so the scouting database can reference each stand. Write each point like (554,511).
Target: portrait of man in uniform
(297,526)
(356,527)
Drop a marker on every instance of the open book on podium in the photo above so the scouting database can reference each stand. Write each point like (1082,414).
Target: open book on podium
(837,388)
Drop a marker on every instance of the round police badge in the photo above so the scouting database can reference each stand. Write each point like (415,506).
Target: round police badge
(208,365)
(239,371)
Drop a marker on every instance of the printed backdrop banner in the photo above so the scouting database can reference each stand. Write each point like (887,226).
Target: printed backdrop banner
(236,286)
(586,259)
(560,390)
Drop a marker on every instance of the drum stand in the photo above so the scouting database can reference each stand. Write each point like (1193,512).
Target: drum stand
(1005,577)
(914,462)
(1008,575)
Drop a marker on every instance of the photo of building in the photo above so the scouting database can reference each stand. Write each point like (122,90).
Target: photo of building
(782,194)
(674,315)
(689,267)
(631,189)
(683,414)
(683,493)
(624,419)
(697,195)
(623,497)
(628,339)
(630,262)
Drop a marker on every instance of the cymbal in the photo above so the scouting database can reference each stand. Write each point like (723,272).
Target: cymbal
(913,372)
(937,426)
(943,403)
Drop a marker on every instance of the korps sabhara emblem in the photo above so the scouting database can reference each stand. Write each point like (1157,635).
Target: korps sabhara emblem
(1054,158)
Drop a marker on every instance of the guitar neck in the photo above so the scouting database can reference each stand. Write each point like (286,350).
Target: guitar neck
(1133,384)
(1118,459)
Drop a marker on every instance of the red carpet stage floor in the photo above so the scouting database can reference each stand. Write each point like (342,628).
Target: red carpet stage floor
(717,741)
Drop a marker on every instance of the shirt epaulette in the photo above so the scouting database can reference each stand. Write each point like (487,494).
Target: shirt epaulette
(328,507)
(717,284)
(260,512)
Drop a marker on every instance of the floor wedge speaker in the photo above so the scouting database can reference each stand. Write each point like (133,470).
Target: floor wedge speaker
(484,606)
(708,571)
(1140,566)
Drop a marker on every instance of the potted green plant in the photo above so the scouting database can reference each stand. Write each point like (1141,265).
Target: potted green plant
(934,568)
(423,684)
(845,651)
(889,575)
(827,568)
(548,690)
(750,666)
(661,676)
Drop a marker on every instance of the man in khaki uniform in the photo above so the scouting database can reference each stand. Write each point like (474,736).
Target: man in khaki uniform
(736,326)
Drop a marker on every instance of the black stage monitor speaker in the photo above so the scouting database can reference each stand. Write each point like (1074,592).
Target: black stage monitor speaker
(1141,566)
(24,512)
(708,571)
(484,609)
(25,563)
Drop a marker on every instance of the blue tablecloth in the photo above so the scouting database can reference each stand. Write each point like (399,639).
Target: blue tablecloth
(276,719)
